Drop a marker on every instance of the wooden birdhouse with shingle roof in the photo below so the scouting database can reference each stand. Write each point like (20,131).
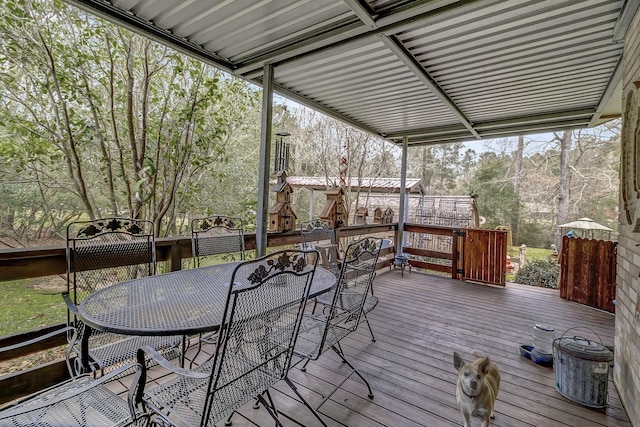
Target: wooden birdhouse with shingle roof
(361,215)
(377,215)
(335,208)
(387,216)
(281,216)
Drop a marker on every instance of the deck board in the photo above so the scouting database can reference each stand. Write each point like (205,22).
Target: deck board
(420,321)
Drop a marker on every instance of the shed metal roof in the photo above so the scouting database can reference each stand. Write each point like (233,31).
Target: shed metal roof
(376,185)
(434,71)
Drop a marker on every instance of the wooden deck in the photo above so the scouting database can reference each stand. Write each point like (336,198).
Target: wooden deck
(419,322)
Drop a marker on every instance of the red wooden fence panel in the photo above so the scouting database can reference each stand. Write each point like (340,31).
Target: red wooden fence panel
(484,256)
(588,272)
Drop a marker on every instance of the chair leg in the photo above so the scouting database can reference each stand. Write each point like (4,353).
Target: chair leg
(197,352)
(304,401)
(373,338)
(344,360)
(270,407)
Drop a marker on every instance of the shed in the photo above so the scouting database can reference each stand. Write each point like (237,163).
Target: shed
(450,211)
(374,193)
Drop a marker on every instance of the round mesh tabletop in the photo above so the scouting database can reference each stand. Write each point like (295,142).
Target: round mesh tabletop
(179,303)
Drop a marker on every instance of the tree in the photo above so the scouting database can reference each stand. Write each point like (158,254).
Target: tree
(564,185)
(321,142)
(493,185)
(122,124)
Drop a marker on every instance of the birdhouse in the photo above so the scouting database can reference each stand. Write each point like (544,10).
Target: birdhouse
(361,215)
(387,216)
(377,216)
(281,216)
(334,208)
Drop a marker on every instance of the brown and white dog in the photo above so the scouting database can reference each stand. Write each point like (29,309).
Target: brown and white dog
(477,388)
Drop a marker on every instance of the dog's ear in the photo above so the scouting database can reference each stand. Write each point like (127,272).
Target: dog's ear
(457,361)
(484,366)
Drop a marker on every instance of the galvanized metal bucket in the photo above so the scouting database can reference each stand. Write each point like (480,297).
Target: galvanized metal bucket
(581,369)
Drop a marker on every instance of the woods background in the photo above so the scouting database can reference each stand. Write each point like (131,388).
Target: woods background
(97,121)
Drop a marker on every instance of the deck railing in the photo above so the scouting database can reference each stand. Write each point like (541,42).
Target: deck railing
(41,262)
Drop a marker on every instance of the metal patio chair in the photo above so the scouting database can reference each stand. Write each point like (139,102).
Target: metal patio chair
(264,307)
(82,400)
(319,333)
(100,253)
(216,235)
(321,235)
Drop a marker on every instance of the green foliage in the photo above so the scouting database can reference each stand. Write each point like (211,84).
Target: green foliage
(491,182)
(96,121)
(535,234)
(539,272)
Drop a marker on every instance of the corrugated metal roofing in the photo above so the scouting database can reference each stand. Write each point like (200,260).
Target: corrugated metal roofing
(434,71)
(377,185)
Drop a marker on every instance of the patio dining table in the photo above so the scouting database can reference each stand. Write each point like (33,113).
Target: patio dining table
(185,302)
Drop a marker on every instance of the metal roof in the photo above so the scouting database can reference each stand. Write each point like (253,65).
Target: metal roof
(434,71)
(376,185)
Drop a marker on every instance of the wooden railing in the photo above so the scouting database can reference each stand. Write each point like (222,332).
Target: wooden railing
(41,262)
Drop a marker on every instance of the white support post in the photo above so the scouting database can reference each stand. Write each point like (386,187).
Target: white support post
(403,207)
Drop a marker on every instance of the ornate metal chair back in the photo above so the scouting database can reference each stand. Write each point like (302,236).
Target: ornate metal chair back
(321,235)
(216,235)
(100,253)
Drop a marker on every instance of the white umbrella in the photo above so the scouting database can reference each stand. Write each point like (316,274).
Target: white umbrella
(586,224)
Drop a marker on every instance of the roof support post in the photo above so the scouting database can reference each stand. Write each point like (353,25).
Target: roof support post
(265,153)
(403,193)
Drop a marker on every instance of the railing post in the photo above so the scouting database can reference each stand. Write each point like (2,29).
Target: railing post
(455,236)
(175,257)
(403,196)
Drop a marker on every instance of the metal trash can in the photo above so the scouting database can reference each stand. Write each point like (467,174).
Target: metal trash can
(581,370)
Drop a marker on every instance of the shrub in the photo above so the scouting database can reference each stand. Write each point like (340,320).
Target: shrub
(540,272)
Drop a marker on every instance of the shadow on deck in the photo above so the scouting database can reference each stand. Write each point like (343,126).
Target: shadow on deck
(420,321)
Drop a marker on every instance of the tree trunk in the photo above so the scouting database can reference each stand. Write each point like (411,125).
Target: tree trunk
(516,186)
(562,215)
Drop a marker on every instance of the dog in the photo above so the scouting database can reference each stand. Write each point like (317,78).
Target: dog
(477,388)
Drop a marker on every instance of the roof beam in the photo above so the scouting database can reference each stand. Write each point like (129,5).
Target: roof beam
(624,19)
(613,82)
(581,115)
(423,75)
(387,25)
(362,13)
